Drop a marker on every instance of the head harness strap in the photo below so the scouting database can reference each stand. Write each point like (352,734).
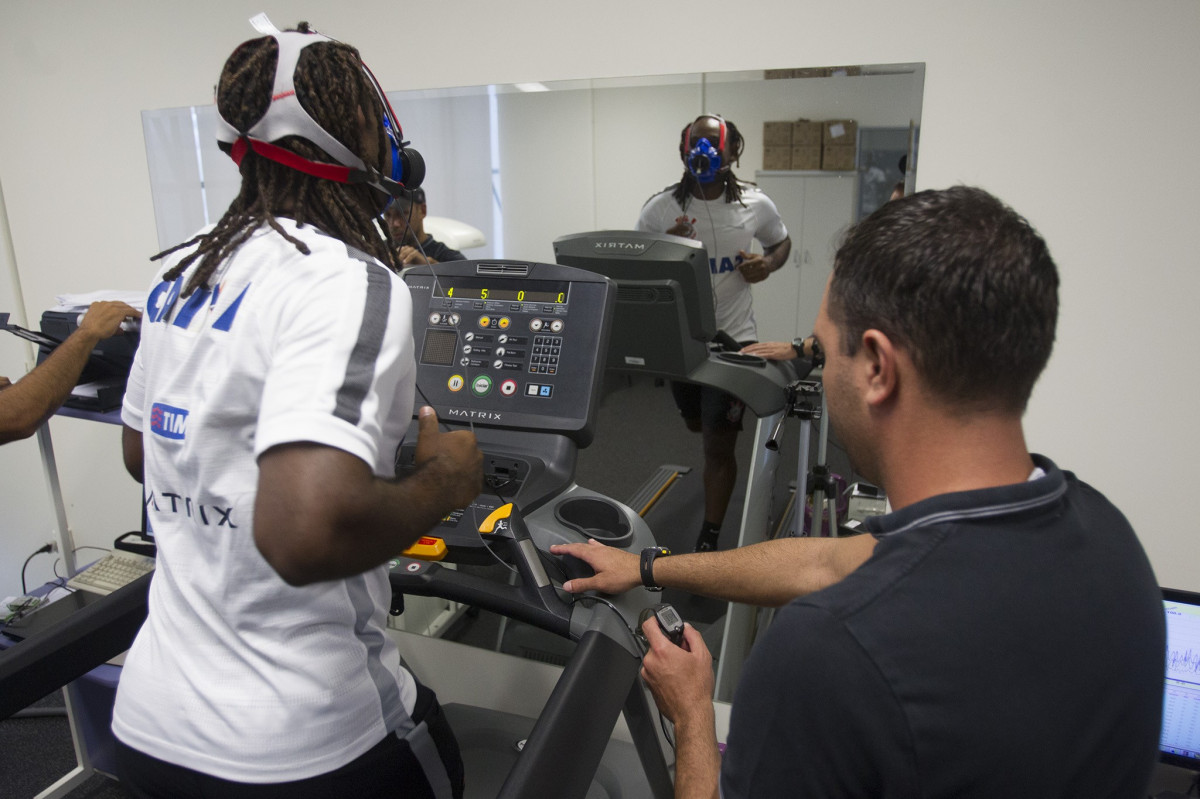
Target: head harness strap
(285,116)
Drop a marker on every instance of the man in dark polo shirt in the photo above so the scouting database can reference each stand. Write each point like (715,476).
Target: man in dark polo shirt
(1000,633)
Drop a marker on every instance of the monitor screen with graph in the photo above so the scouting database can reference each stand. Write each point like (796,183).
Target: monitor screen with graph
(1179,744)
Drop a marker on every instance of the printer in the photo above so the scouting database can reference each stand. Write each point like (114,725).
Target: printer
(101,386)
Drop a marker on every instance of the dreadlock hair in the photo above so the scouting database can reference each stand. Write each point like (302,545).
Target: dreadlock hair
(684,190)
(332,88)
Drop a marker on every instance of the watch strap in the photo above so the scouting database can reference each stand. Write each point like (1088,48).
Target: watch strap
(646,566)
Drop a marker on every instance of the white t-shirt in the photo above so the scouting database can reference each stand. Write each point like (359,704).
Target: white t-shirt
(725,229)
(235,673)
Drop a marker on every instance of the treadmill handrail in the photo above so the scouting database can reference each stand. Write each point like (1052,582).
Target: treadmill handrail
(434,580)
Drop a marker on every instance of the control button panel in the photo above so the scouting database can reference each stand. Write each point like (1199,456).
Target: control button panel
(510,351)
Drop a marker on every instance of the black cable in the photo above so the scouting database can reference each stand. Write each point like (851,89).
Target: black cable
(46,548)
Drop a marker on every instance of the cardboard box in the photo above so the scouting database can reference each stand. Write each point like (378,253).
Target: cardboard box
(806,133)
(777,158)
(777,134)
(806,157)
(836,158)
(837,133)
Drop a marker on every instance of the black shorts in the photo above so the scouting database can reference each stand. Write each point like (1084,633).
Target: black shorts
(388,769)
(713,408)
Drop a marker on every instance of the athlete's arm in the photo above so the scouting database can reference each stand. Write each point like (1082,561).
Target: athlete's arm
(756,268)
(132,452)
(776,255)
(321,514)
(769,574)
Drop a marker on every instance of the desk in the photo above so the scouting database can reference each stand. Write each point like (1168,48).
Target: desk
(77,647)
(75,695)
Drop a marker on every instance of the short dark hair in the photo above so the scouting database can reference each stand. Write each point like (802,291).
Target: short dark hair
(961,281)
(403,204)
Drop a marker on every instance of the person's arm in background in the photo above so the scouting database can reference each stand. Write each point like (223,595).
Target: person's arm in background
(782,350)
(321,514)
(28,403)
(411,256)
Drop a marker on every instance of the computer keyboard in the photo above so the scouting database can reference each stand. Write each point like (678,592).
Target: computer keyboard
(111,572)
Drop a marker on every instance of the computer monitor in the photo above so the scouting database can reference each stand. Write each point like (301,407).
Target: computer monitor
(1179,744)
(664,316)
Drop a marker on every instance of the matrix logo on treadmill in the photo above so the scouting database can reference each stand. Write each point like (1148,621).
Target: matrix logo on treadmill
(168,421)
(619,245)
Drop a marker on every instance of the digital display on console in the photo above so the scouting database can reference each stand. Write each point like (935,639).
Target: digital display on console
(534,291)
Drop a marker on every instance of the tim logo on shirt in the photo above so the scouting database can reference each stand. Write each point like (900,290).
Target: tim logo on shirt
(168,421)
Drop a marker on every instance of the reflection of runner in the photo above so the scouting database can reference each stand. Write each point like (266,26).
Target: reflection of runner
(727,215)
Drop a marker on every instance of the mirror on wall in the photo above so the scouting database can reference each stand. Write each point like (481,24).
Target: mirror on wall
(525,164)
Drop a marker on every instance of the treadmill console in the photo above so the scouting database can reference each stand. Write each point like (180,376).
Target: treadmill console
(511,345)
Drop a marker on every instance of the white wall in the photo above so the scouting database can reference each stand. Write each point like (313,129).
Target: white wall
(1074,113)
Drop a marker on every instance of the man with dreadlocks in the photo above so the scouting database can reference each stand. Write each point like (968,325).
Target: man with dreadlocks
(274,382)
(726,215)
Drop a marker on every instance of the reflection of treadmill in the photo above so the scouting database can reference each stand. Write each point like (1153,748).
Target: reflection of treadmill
(664,325)
(664,322)
(515,350)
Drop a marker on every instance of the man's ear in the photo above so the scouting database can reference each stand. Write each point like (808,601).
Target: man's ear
(880,363)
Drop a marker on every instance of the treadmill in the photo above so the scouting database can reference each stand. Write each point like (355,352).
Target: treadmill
(515,351)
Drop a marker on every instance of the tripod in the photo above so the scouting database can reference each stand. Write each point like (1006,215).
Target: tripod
(806,402)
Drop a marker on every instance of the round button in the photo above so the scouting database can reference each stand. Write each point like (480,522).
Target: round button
(434,318)
(504,323)
(481,386)
(453,318)
(469,336)
(556,326)
(535,325)
(508,388)
(500,352)
(455,383)
(497,364)
(502,338)
(485,321)
(466,349)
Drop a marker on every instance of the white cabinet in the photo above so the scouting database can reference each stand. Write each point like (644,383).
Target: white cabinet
(817,209)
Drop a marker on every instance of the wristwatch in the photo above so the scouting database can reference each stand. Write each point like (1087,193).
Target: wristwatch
(647,566)
(798,346)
